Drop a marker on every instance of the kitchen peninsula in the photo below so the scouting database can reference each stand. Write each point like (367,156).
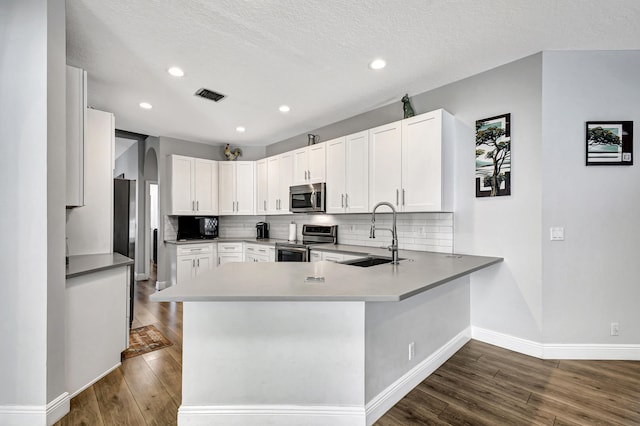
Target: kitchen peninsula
(318,343)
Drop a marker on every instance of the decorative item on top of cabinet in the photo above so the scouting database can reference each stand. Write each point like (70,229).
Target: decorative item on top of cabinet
(406,107)
(493,156)
(232,155)
(312,139)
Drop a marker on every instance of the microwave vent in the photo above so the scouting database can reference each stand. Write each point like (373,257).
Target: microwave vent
(210,94)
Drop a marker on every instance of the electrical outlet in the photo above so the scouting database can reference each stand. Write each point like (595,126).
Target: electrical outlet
(615,329)
(412,350)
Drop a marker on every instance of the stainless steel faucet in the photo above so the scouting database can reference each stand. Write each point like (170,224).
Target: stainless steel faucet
(394,233)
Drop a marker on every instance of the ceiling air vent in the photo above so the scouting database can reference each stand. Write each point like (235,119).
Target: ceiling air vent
(210,94)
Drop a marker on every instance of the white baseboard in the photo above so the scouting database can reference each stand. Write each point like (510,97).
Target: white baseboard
(558,350)
(506,341)
(141,277)
(161,285)
(91,382)
(260,415)
(58,408)
(386,399)
(19,415)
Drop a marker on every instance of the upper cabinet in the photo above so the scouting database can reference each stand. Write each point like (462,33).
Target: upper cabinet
(279,179)
(76,127)
(236,187)
(194,186)
(347,174)
(261,186)
(309,164)
(410,163)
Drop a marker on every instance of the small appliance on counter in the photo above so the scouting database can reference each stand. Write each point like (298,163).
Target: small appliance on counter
(262,230)
(197,227)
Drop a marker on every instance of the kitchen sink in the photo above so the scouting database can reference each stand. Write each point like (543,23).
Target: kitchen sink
(365,262)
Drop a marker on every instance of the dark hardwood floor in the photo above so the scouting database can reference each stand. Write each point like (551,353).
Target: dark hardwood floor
(480,385)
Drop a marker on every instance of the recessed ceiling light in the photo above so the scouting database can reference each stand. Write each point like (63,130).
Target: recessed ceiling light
(145,105)
(284,108)
(377,64)
(240,129)
(175,71)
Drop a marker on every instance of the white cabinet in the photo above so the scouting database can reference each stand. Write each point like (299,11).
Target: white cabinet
(192,260)
(347,174)
(262,186)
(279,179)
(229,252)
(76,125)
(309,164)
(332,256)
(194,186)
(385,164)
(256,253)
(411,164)
(236,186)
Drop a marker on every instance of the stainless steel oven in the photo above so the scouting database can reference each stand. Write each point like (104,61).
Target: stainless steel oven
(311,235)
(291,253)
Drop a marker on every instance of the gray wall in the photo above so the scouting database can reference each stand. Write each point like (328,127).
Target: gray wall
(32,217)
(127,163)
(507,298)
(591,278)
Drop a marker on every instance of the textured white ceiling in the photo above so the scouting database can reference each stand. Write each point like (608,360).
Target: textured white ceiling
(309,54)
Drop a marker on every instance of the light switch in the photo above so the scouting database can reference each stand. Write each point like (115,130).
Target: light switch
(557,234)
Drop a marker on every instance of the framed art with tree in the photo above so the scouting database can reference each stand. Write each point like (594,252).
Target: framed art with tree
(493,156)
(609,143)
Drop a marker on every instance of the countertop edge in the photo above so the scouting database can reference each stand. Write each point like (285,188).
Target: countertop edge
(85,264)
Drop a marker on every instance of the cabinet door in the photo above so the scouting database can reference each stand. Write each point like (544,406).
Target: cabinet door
(316,163)
(336,175)
(204,263)
(185,269)
(182,175)
(273,184)
(76,125)
(385,164)
(226,188)
(315,256)
(206,186)
(286,180)
(272,254)
(332,257)
(229,257)
(356,173)
(262,186)
(422,163)
(244,188)
(300,166)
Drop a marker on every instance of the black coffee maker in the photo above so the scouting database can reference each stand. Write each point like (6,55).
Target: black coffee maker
(262,230)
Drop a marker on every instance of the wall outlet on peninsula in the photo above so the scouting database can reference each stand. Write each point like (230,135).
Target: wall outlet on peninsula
(615,329)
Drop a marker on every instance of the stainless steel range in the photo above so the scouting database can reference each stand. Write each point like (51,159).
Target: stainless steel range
(312,235)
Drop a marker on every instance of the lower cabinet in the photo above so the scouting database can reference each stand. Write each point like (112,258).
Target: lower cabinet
(257,253)
(230,252)
(192,260)
(331,256)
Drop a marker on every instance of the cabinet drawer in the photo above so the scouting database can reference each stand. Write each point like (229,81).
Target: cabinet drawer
(229,247)
(194,249)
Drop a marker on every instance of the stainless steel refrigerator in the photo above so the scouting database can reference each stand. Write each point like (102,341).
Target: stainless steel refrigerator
(124,227)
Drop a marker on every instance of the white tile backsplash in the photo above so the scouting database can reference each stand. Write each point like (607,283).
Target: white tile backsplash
(416,231)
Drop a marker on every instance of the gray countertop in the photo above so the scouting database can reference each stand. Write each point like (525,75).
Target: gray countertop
(268,281)
(89,263)
(267,241)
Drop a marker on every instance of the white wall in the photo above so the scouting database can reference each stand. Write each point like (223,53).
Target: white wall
(127,163)
(591,278)
(32,208)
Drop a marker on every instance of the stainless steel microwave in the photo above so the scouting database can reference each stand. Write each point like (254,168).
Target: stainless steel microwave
(307,198)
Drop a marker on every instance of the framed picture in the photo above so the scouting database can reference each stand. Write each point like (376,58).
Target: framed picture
(609,143)
(493,156)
